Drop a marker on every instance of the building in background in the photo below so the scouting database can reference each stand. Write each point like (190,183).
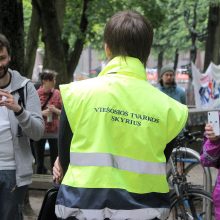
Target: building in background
(38,65)
(89,60)
(90,65)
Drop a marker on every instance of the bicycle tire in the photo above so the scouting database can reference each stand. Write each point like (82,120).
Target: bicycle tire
(190,153)
(201,206)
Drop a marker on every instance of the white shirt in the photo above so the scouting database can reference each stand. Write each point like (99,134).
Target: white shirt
(7,160)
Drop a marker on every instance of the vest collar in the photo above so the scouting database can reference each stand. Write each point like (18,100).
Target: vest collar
(128,66)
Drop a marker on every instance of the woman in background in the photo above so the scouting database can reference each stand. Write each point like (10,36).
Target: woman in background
(51,105)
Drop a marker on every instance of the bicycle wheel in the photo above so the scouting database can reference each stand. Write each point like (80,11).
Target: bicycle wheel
(196,204)
(191,160)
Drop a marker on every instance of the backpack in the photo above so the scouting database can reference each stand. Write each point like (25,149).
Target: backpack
(47,210)
(21,102)
(21,99)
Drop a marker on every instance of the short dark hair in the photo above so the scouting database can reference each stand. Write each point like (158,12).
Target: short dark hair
(48,74)
(5,43)
(129,33)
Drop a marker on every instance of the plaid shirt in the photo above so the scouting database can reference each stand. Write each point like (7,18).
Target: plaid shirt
(55,99)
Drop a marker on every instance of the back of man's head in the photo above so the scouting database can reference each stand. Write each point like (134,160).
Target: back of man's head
(4,43)
(128,33)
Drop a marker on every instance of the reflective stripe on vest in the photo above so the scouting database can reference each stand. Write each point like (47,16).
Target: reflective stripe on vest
(101,203)
(118,162)
(100,214)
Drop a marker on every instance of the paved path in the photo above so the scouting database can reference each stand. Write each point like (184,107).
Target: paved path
(36,199)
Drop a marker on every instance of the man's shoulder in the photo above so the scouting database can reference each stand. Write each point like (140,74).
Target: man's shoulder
(180,89)
(16,74)
(17,80)
(158,86)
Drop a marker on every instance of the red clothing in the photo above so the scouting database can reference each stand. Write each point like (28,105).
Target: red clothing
(51,127)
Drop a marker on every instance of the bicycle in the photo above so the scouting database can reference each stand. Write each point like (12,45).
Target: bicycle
(188,202)
(190,159)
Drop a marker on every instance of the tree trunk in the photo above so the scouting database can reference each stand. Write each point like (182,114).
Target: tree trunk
(60,9)
(75,56)
(191,26)
(176,58)
(160,62)
(51,36)
(32,39)
(78,46)
(193,51)
(216,51)
(194,35)
(12,26)
(212,53)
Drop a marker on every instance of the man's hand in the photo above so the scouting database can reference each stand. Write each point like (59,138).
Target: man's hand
(7,100)
(57,172)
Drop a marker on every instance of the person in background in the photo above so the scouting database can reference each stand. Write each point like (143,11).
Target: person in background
(110,146)
(51,105)
(18,124)
(210,157)
(168,85)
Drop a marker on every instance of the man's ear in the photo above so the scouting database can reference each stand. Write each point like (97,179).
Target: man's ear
(108,52)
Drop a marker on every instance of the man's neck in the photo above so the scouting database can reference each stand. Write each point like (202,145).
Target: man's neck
(5,80)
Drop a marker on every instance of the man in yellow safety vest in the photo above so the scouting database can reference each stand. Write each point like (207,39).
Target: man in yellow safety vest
(114,130)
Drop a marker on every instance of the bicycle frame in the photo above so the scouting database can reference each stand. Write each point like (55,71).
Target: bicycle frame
(181,188)
(207,181)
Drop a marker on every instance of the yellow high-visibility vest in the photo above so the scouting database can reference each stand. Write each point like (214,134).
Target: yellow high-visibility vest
(121,126)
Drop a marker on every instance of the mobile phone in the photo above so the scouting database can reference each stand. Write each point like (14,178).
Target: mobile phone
(2,98)
(213,118)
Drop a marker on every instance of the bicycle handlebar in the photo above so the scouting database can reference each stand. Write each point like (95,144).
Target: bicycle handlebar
(189,136)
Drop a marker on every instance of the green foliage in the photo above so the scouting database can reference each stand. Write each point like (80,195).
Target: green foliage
(174,32)
(72,21)
(167,17)
(214,2)
(101,10)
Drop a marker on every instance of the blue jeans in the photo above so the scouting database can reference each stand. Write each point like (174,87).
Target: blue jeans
(11,197)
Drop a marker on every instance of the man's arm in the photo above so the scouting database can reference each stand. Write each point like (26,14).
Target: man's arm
(30,119)
(64,141)
(169,148)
